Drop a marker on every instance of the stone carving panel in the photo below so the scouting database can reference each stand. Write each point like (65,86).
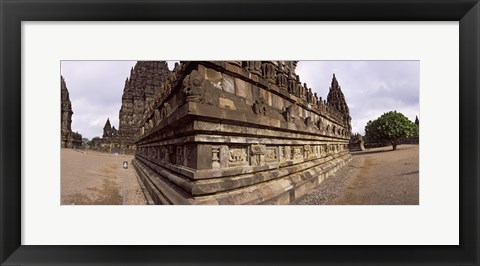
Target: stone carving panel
(308,151)
(298,153)
(258,152)
(180,156)
(271,154)
(237,156)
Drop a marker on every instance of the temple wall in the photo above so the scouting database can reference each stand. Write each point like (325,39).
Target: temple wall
(225,135)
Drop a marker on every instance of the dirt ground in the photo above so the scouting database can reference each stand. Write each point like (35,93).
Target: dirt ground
(98,178)
(377,176)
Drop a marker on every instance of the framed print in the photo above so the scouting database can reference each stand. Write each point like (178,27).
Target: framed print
(42,224)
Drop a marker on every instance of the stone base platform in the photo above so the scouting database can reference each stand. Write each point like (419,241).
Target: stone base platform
(231,133)
(283,185)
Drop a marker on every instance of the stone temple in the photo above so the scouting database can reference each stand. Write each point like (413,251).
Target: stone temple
(238,132)
(69,139)
(356,143)
(148,79)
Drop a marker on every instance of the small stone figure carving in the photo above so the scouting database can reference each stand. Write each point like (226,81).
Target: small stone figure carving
(268,70)
(309,96)
(254,67)
(308,121)
(290,113)
(166,110)
(157,117)
(292,86)
(179,155)
(282,82)
(259,106)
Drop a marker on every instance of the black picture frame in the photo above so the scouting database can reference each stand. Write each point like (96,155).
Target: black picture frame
(13,12)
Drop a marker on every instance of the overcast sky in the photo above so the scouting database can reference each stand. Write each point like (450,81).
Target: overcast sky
(371,88)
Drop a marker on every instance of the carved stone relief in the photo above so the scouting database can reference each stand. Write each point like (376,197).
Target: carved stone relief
(215,157)
(237,156)
(271,154)
(260,107)
(258,152)
(297,153)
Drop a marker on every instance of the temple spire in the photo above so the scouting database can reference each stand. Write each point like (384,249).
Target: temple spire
(107,124)
(334,84)
(336,98)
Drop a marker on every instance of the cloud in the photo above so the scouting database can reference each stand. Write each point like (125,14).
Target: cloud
(371,88)
(96,89)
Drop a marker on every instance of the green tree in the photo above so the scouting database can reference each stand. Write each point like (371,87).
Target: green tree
(391,127)
(94,142)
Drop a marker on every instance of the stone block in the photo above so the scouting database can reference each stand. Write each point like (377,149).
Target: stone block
(255,92)
(214,77)
(228,83)
(204,156)
(226,103)
(248,94)
(240,88)
(269,98)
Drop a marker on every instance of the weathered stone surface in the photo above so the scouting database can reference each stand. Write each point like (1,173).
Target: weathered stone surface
(69,139)
(241,133)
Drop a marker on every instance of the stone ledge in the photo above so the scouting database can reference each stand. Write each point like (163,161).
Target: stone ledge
(280,190)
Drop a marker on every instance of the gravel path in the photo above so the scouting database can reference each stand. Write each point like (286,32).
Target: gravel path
(376,176)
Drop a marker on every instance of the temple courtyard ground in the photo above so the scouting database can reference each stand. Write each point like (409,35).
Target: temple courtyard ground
(376,176)
(92,178)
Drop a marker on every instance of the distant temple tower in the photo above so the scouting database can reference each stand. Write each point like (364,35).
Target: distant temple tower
(148,81)
(336,99)
(69,139)
(107,129)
